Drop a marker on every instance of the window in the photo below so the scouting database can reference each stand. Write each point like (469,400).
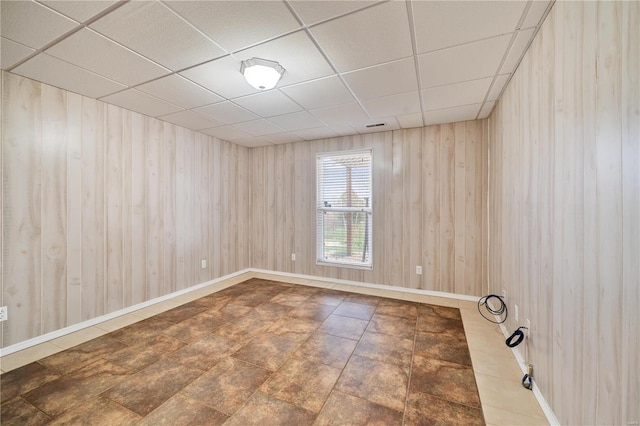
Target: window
(344,208)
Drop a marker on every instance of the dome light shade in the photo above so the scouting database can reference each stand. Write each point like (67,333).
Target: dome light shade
(261,73)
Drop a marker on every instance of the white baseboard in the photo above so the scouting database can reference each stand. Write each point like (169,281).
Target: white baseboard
(370,285)
(97,320)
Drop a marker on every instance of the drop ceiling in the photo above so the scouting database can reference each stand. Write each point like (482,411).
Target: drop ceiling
(349,64)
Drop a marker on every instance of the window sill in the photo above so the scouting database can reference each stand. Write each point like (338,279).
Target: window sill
(344,265)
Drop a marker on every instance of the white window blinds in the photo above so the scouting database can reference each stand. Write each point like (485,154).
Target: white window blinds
(344,208)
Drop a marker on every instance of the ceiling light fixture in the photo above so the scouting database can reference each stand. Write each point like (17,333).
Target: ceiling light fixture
(261,73)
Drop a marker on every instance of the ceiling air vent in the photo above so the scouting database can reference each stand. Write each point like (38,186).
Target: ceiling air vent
(375,125)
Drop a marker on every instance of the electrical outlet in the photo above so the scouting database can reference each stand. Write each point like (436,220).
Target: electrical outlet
(203,263)
(527,332)
(4,313)
(515,312)
(419,270)
(293,257)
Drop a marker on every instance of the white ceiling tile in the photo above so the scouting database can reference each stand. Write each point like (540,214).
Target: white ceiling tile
(268,103)
(298,55)
(469,92)
(80,10)
(344,130)
(157,33)
(400,104)
(258,127)
(32,24)
(451,115)
(12,52)
(190,120)
(498,85)
(180,91)
(227,133)
(280,138)
(319,93)
(486,109)
(237,24)
(297,121)
(410,120)
(55,72)
(90,50)
(221,76)
(316,133)
(313,11)
(440,24)
(253,141)
(141,102)
(462,63)
(517,50)
(368,37)
(381,80)
(340,114)
(536,11)
(226,112)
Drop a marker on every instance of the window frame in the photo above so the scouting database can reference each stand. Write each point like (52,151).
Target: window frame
(320,234)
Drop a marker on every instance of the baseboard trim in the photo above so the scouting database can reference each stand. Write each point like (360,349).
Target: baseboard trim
(370,285)
(97,320)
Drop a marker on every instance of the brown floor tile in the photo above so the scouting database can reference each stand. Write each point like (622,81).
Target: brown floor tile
(437,324)
(375,381)
(254,299)
(302,383)
(146,390)
(329,297)
(342,409)
(355,310)
(392,325)
(244,328)
(298,330)
(291,297)
(364,299)
(446,380)
(327,349)
(272,311)
(268,351)
(312,311)
(205,352)
(351,328)
(385,348)
(180,313)
(194,328)
(228,385)
(78,356)
(144,330)
(99,411)
(24,379)
(423,409)
(138,357)
(442,346)
(213,301)
(19,412)
(441,311)
(68,391)
(408,311)
(265,410)
(232,311)
(180,410)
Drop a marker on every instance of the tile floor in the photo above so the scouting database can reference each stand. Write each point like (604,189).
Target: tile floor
(294,351)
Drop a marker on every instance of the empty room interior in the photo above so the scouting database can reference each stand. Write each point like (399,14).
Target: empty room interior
(320,212)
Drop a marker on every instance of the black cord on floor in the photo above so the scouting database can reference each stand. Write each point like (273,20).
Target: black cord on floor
(499,311)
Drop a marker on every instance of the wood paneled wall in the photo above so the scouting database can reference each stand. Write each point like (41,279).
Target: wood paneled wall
(564,208)
(429,204)
(104,208)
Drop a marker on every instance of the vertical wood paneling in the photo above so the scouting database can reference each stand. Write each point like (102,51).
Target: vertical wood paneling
(564,209)
(413,185)
(98,205)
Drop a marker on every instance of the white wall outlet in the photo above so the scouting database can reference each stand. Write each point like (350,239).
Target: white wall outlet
(293,257)
(527,332)
(4,313)
(203,263)
(515,311)
(419,270)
